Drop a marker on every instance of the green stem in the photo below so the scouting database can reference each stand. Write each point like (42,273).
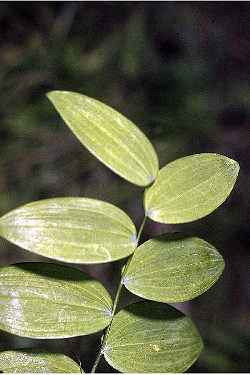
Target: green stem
(141,228)
(117,296)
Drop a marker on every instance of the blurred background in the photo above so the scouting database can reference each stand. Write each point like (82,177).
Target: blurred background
(181,72)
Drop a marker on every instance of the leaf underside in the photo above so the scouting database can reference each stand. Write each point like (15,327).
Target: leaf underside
(31,361)
(43,300)
(190,188)
(152,337)
(75,230)
(109,136)
(173,268)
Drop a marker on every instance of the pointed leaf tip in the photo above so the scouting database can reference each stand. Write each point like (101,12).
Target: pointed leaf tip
(109,136)
(173,268)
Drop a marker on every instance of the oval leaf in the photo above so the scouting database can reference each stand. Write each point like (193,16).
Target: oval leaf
(75,230)
(42,300)
(109,136)
(173,269)
(190,188)
(31,361)
(152,337)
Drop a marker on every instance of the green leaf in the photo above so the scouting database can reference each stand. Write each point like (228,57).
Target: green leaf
(152,337)
(190,188)
(42,300)
(75,230)
(173,268)
(109,136)
(31,361)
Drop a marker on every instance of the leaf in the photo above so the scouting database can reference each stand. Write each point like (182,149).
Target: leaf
(152,337)
(173,268)
(31,361)
(190,188)
(42,300)
(109,136)
(75,230)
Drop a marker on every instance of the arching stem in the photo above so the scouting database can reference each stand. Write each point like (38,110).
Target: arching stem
(116,300)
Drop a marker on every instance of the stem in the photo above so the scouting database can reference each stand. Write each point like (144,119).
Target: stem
(141,228)
(97,360)
(117,296)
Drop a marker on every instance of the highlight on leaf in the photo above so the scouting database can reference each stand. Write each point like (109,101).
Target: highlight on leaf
(43,300)
(108,135)
(190,188)
(173,268)
(75,230)
(152,337)
(34,361)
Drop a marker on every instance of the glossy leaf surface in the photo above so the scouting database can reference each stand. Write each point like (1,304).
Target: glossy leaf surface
(152,337)
(190,188)
(109,136)
(42,300)
(31,361)
(75,230)
(173,268)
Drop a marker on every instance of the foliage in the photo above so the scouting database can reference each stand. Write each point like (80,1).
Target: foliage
(22,361)
(44,300)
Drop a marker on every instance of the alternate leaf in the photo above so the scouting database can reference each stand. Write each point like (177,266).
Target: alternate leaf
(190,188)
(31,361)
(152,337)
(173,268)
(43,300)
(109,136)
(75,230)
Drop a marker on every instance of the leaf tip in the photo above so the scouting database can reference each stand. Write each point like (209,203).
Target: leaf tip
(221,266)
(233,166)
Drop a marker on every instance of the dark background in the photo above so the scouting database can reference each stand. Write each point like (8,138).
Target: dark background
(181,72)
